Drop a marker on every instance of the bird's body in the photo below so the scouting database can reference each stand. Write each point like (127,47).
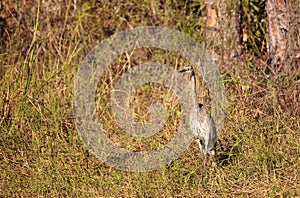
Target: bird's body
(203,129)
(201,123)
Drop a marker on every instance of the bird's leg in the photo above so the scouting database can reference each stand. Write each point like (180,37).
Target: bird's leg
(203,170)
(200,148)
(203,158)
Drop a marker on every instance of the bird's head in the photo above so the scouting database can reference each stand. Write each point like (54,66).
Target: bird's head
(187,69)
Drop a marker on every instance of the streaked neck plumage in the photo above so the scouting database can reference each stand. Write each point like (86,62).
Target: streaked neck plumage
(193,91)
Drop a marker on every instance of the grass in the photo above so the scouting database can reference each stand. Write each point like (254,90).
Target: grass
(42,47)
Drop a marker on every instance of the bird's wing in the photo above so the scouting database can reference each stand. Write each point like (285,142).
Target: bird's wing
(207,124)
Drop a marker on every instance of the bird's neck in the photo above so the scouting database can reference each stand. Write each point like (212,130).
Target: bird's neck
(193,92)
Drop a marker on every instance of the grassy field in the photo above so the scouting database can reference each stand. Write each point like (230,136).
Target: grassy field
(41,152)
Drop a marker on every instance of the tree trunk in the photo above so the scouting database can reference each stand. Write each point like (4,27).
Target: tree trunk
(223,30)
(283,31)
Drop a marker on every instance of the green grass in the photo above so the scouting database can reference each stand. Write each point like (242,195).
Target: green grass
(41,151)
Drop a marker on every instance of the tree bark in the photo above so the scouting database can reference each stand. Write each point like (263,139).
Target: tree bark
(223,30)
(283,33)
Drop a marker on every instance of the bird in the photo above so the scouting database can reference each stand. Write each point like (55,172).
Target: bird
(201,122)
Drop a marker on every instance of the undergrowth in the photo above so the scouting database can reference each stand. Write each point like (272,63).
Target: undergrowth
(42,154)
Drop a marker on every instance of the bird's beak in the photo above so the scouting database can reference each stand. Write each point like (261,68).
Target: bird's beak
(182,70)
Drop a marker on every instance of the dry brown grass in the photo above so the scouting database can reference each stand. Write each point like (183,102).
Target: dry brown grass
(42,46)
